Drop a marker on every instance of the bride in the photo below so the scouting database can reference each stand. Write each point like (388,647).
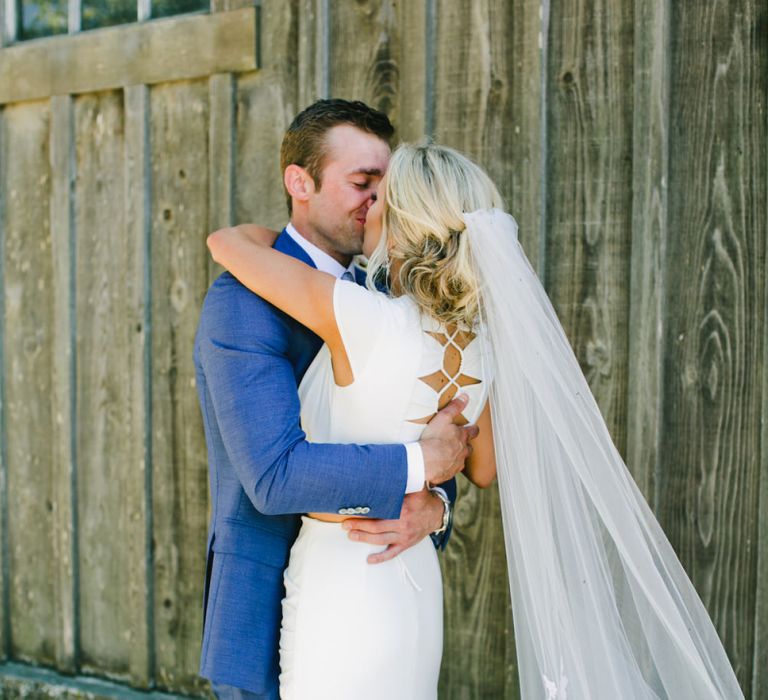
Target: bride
(602,607)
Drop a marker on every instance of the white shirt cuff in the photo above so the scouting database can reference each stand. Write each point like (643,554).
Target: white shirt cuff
(415,467)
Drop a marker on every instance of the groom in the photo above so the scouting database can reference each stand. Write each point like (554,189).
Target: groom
(250,358)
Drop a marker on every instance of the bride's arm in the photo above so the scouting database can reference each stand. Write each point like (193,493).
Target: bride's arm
(480,467)
(292,286)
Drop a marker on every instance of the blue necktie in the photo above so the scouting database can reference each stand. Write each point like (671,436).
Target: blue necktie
(348,276)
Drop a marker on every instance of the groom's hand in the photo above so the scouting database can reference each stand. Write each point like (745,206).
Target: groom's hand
(445,445)
(422,514)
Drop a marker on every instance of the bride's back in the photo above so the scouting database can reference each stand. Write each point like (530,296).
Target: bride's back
(405,364)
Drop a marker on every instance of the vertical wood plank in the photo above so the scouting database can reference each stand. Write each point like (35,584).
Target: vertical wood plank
(474,86)
(363,53)
(760,663)
(589,191)
(525,123)
(411,50)
(716,310)
(64,532)
(478,648)
(472,112)
(28,365)
(312,48)
(267,102)
(179,201)
(221,157)
(110,402)
(137,231)
(378,55)
(5,603)
(649,231)
(759,684)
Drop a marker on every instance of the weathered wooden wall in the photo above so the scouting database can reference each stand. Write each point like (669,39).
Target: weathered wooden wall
(630,138)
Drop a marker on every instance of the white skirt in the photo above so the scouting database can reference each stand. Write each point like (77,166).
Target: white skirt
(356,630)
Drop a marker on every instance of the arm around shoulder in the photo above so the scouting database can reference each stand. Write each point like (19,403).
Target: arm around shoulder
(295,288)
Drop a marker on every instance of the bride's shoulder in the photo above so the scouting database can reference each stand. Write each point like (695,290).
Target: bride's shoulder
(371,298)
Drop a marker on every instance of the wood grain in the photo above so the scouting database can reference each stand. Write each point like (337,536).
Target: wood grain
(473,94)
(267,102)
(137,220)
(472,110)
(525,125)
(629,141)
(5,603)
(716,311)
(363,53)
(650,144)
(28,325)
(179,201)
(378,55)
(64,533)
(410,54)
(151,52)
(221,157)
(311,51)
(110,402)
(589,191)
(759,684)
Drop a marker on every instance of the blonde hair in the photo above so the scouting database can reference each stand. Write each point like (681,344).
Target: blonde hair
(428,188)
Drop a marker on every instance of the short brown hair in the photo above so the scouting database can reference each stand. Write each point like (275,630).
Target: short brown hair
(304,141)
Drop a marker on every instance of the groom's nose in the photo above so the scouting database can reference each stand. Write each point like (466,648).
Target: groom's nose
(369,202)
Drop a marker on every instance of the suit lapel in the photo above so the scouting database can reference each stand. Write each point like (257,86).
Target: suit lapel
(304,344)
(286,244)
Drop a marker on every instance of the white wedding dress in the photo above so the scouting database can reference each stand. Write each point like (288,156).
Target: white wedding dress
(351,629)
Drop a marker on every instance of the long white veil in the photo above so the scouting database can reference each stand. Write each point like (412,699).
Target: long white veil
(603,609)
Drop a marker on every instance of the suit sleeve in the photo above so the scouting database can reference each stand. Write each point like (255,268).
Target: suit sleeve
(252,390)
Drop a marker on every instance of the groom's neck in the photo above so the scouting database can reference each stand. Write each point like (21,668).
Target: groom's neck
(309,233)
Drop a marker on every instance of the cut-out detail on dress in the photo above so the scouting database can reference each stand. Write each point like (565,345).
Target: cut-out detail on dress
(447,381)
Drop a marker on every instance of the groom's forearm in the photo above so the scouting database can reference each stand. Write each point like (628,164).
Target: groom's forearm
(330,478)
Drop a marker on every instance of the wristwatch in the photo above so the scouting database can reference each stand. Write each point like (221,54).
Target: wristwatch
(447,509)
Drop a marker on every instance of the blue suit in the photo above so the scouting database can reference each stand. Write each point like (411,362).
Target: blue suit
(250,358)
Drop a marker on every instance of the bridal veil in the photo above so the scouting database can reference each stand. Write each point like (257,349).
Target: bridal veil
(603,609)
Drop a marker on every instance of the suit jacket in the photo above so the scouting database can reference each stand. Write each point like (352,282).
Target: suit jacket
(249,359)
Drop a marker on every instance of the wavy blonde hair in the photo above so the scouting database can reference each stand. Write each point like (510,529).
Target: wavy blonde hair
(427,190)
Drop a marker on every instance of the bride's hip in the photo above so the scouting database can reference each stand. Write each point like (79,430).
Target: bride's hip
(323,555)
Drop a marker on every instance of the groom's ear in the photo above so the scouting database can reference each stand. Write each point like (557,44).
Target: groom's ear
(298,183)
